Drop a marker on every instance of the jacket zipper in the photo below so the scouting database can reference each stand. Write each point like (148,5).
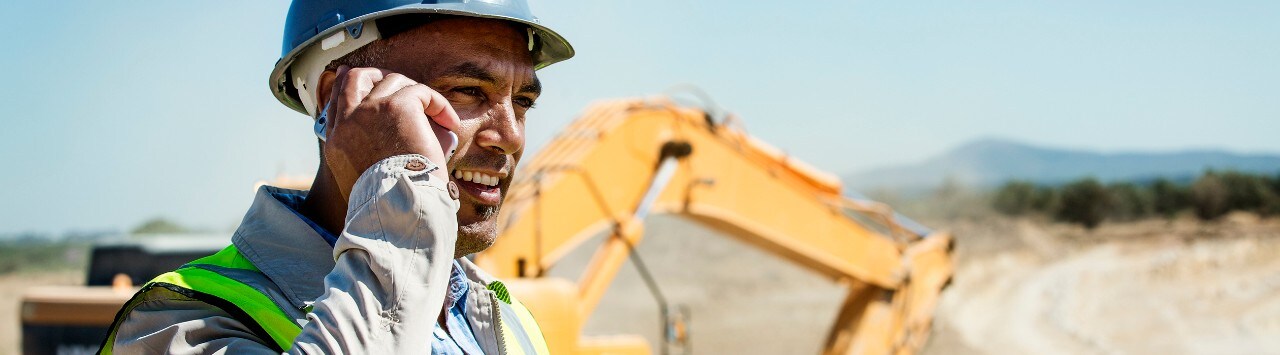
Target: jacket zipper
(497,321)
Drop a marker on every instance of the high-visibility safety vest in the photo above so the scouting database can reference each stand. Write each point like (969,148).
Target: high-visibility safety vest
(201,280)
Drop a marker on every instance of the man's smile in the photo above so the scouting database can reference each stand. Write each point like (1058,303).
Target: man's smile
(482,186)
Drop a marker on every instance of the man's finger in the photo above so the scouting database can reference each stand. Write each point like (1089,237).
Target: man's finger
(356,86)
(434,105)
(332,105)
(390,84)
(441,111)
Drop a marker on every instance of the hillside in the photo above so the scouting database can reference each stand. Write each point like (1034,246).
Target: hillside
(989,162)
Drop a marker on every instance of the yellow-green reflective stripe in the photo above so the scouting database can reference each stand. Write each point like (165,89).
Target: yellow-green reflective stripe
(108,346)
(530,327)
(279,326)
(228,257)
(514,334)
(509,338)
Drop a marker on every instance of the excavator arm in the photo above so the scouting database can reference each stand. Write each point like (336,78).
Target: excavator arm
(624,160)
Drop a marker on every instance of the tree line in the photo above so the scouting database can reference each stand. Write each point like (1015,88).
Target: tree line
(1088,202)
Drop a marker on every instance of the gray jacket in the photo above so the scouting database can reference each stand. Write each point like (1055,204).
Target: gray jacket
(379,290)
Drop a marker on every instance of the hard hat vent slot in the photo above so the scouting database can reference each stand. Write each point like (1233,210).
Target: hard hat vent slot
(355,30)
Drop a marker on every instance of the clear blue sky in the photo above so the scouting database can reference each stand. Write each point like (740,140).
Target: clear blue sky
(117,111)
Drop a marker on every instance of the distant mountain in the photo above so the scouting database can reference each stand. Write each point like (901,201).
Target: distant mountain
(990,162)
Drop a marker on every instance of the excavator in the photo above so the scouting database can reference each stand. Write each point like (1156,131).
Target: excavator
(625,160)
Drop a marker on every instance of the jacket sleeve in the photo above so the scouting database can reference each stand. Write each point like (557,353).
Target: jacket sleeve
(393,264)
(383,296)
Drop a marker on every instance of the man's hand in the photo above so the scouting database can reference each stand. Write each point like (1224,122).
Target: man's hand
(376,114)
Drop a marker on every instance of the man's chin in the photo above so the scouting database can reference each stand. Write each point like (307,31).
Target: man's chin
(476,237)
(477,227)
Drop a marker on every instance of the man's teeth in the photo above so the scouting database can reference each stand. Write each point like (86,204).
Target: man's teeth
(476,177)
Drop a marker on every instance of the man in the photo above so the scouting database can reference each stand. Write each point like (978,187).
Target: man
(371,259)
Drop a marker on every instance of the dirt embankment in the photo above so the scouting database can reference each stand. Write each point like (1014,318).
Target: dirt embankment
(1149,287)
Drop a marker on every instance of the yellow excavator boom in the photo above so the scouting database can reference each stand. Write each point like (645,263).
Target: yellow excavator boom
(623,160)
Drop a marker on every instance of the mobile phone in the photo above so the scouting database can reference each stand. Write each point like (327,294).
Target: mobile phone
(321,121)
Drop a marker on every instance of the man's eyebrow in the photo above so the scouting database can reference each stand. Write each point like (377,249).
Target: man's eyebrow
(534,86)
(475,71)
(470,70)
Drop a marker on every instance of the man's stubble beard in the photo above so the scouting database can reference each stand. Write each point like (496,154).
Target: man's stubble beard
(478,236)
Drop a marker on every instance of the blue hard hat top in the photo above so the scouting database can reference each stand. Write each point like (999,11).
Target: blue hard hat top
(308,18)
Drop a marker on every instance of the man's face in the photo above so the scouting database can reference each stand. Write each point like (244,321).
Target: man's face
(485,70)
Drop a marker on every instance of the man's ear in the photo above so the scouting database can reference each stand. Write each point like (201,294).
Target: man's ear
(327,78)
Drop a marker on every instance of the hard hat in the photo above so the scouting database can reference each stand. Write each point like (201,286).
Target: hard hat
(317,32)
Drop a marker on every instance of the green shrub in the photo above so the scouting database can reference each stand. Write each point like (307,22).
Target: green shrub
(1130,202)
(1085,202)
(1014,198)
(1254,193)
(43,255)
(1209,196)
(160,225)
(1044,200)
(1271,199)
(1088,202)
(1169,198)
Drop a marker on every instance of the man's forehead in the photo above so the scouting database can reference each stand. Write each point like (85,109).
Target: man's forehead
(487,55)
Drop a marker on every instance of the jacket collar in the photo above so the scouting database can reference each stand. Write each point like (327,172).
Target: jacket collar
(475,273)
(284,247)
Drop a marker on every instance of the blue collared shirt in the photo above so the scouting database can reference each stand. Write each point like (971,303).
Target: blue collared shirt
(458,339)
(462,341)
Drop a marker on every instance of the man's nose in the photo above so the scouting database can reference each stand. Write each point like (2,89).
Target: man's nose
(502,133)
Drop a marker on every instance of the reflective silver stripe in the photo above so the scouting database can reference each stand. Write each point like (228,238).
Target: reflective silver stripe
(510,319)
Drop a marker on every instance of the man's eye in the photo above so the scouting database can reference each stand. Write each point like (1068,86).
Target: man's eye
(524,102)
(470,91)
